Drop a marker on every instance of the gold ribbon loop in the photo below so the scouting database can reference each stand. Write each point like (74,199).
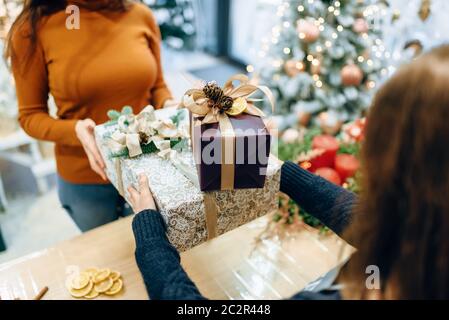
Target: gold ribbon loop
(198,103)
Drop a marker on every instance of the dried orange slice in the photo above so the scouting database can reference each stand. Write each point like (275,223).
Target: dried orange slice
(104,285)
(79,293)
(80,281)
(102,275)
(116,288)
(92,271)
(238,107)
(115,275)
(92,294)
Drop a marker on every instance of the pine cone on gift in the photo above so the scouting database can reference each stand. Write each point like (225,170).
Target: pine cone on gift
(226,103)
(143,138)
(213,92)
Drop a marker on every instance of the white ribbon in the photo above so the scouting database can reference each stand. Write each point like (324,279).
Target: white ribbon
(157,130)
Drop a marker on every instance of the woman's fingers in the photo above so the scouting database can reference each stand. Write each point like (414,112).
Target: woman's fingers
(143,199)
(143,185)
(133,198)
(90,124)
(95,167)
(134,194)
(85,133)
(171,103)
(92,146)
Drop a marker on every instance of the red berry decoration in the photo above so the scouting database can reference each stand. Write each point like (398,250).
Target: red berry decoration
(330,146)
(329,174)
(346,165)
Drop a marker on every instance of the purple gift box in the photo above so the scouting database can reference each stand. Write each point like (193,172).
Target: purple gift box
(234,158)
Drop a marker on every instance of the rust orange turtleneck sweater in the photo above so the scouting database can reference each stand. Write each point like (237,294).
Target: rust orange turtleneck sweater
(113,60)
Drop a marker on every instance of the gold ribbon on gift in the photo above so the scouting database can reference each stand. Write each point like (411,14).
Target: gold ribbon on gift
(211,210)
(197,101)
(118,174)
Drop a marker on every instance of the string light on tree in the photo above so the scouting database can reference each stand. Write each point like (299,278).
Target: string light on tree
(371,84)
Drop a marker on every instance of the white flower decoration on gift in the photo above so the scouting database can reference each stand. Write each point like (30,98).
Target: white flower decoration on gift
(159,131)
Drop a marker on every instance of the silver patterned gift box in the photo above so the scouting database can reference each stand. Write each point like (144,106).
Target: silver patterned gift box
(192,216)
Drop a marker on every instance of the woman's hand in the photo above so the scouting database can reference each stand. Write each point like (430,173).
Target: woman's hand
(85,133)
(170,103)
(143,199)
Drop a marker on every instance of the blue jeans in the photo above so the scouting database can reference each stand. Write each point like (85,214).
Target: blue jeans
(92,205)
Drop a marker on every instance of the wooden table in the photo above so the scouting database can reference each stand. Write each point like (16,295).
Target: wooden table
(229,267)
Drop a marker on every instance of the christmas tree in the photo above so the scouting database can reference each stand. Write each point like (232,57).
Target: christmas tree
(324,59)
(412,27)
(176,19)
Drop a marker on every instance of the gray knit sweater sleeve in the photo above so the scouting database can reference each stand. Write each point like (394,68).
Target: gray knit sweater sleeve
(329,203)
(159,261)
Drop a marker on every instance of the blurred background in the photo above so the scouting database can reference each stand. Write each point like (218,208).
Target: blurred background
(323,59)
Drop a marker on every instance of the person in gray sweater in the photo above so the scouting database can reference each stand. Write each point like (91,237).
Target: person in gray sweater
(400,221)
(159,261)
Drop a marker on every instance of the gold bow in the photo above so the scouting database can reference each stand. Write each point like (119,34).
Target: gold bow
(199,104)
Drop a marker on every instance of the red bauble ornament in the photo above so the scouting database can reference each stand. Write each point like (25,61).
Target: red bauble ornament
(360,26)
(351,75)
(308,31)
(330,146)
(329,174)
(346,165)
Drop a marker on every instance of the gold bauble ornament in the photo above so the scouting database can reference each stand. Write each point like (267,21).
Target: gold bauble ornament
(293,67)
(351,75)
(303,118)
(315,66)
(396,16)
(308,31)
(360,26)
(424,10)
(329,124)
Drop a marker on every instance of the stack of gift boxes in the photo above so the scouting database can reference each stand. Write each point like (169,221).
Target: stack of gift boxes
(208,164)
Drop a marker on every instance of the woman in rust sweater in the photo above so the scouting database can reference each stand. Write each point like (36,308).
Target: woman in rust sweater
(110,59)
